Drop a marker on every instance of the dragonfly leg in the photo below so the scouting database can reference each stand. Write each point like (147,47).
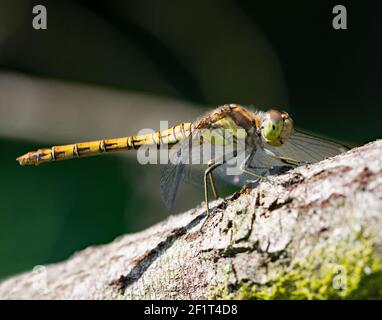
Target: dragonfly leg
(286,160)
(211,166)
(246,163)
(206,193)
(243,168)
(213,186)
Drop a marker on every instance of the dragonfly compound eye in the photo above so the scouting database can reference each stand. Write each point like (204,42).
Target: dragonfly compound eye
(287,129)
(272,127)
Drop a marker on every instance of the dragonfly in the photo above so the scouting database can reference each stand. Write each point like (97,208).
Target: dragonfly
(259,143)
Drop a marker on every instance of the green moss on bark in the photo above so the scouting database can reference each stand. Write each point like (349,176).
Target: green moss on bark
(348,270)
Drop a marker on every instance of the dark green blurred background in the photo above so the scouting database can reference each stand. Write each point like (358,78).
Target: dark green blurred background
(110,68)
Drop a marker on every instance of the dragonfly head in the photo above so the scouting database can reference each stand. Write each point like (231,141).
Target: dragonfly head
(276,127)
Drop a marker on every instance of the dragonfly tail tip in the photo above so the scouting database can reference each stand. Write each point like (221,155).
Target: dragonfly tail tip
(23,160)
(20,160)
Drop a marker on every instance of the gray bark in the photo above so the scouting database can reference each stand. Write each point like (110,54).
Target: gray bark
(293,236)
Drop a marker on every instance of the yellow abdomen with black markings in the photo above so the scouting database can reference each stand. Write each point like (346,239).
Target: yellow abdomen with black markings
(84,149)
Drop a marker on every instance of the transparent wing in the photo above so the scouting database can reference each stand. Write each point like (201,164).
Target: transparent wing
(188,160)
(307,148)
(262,164)
(173,173)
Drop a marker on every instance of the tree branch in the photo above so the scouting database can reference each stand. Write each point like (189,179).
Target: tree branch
(312,233)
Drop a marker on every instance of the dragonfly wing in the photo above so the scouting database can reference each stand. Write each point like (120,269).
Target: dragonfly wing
(185,164)
(299,149)
(189,159)
(306,148)
(173,173)
(237,179)
(261,164)
(169,183)
(264,164)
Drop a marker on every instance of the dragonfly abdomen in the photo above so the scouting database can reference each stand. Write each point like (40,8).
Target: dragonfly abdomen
(84,149)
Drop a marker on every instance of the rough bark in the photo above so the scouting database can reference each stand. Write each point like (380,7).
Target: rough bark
(314,232)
